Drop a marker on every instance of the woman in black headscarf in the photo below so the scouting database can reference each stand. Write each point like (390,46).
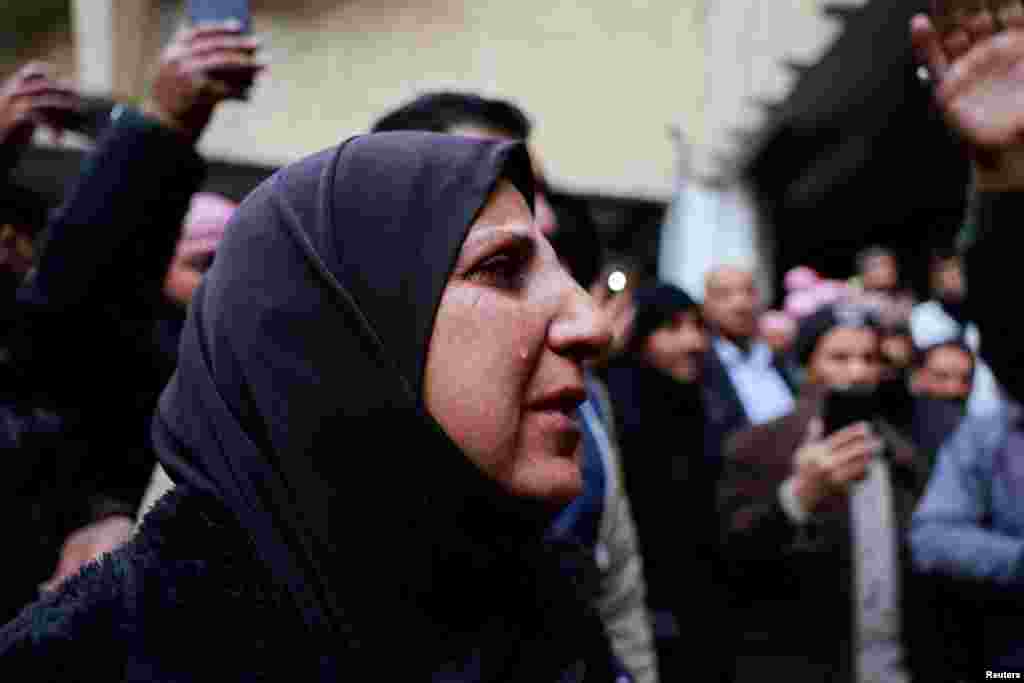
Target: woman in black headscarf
(669,471)
(370,427)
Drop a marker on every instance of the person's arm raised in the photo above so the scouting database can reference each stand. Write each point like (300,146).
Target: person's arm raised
(124,215)
(978,74)
(979,84)
(102,269)
(29,98)
(201,68)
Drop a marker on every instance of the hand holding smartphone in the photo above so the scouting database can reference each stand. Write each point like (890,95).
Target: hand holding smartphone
(221,11)
(57,104)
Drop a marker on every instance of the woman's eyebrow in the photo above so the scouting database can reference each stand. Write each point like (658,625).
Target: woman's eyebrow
(480,239)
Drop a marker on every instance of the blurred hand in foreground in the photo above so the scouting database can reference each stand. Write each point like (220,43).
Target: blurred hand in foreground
(976,61)
(33,97)
(203,66)
(87,544)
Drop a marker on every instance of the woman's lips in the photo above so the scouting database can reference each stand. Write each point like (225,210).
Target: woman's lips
(562,428)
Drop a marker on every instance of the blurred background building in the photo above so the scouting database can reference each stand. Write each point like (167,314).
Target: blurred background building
(749,129)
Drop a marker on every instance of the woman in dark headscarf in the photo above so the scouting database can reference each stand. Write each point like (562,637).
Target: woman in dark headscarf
(655,385)
(670,477)
(370,427)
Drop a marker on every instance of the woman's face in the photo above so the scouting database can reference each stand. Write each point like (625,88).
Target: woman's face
(504,367)
(677,348)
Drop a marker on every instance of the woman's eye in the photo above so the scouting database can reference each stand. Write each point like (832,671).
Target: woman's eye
(201,262)
(505,271)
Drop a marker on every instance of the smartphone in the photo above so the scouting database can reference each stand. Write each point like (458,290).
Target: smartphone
(67,119)
(219,11)
(844,407)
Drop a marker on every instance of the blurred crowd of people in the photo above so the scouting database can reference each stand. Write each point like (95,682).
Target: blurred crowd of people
(826,491)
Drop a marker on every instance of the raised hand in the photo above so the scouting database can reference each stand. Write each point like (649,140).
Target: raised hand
(202,67)
(33,97)
(826,467)
(977,62)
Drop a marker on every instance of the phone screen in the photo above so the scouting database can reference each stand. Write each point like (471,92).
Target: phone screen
(218,11)
(844,407)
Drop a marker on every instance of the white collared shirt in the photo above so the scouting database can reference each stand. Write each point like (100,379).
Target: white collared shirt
(762,391)
(929,325)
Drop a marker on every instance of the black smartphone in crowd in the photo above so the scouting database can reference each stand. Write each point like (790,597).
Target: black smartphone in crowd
(66,119)
(844,407)
(219,11)
(61,117)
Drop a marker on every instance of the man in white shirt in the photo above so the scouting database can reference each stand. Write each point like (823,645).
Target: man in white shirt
(946,318)
(747,384)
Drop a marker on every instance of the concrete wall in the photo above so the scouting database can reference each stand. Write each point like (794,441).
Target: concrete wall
(604,81)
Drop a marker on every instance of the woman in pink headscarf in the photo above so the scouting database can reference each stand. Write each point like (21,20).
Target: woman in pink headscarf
(807,291)
(207,217)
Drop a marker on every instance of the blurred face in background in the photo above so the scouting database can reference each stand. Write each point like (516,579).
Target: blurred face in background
(678,347)
(732,303)
(543,213)
(778,331)
(203,229)
(881,274)
(846,357)
(16,252)
(617,307)
(947,280)
(897,351)
(947,373)
(191,261)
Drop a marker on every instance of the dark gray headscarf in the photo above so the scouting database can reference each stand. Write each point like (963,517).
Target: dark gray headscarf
(298,398)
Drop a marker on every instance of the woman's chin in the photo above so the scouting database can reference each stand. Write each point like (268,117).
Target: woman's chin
(554,478)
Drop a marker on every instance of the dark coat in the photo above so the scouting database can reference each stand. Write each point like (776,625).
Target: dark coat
(792,586)
(991,261)
(190,588)
(80,375)
(725,412)
(670,480)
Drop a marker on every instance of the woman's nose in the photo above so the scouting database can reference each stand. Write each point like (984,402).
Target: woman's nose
(580,329)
